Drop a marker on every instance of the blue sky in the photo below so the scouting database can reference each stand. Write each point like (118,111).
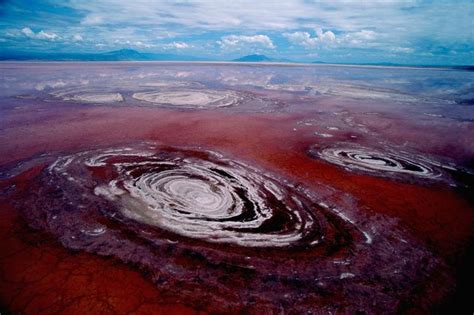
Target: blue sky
(408,31)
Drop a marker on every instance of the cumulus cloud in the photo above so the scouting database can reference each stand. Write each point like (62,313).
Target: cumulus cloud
(300,38)
(177,45)
(325,36)
(363,38)
(305,38)
(40,35)
(236,41)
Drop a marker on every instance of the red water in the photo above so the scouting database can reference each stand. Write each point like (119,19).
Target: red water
(40,276)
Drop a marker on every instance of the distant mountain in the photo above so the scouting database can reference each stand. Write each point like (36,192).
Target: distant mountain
(116,55)
(253,58)
(259,58)
(122,54)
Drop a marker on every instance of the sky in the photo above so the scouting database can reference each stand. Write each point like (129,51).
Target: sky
(393,31)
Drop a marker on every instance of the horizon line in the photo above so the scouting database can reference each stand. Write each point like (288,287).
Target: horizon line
(256,63)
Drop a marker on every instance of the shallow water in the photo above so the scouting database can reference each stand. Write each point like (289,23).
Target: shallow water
(185,187)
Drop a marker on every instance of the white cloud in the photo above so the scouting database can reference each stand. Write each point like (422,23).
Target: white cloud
(77,38)
(358,38)
(305,39)
(142,44)
(363,38)
(254,15)
(201,14)
(40,35)
(138,44)
(300,38)
(166,34)
(28,32)
(236,41)
(327,36)
(48,36)
(177,45)
(92,19)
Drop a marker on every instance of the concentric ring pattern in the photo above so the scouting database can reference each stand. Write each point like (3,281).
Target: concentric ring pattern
(200,195)
(388,163)
(188,98)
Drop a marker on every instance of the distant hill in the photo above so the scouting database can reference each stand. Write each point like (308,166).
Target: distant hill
(116,55)
(259,58)
(253,58)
